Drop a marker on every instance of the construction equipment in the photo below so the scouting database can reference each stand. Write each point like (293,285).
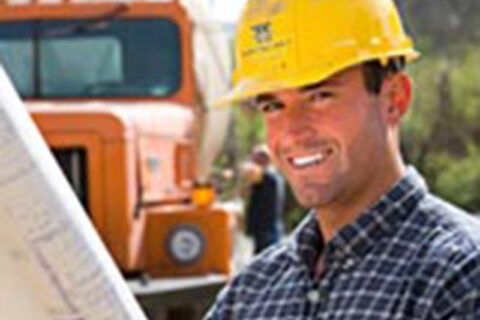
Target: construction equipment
(121,93)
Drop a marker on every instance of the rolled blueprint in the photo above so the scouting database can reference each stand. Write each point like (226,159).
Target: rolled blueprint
(53,265)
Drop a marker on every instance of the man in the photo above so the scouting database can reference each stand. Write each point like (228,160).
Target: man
(327,75)
(266,203)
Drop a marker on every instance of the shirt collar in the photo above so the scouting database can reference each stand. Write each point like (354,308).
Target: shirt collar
(306,242)
(357,238)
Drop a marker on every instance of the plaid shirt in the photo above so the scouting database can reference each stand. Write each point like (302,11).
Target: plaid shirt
(410,256)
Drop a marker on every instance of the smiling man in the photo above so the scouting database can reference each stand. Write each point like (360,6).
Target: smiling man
(328,77)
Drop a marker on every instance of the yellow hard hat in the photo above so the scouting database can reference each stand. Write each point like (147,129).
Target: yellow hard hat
(289,43)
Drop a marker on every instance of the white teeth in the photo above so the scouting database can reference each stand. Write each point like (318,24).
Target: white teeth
(306,161)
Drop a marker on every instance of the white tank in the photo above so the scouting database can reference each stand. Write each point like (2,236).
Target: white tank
(213,65)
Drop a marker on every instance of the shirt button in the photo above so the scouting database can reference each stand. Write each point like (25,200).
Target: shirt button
(349,263)
(313,296)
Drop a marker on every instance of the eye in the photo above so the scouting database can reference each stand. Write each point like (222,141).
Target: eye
(319,95)
(269,106)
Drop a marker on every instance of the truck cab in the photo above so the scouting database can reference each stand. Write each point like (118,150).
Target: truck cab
(120,91)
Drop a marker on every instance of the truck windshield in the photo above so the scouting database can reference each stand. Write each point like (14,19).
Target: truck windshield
(79,58)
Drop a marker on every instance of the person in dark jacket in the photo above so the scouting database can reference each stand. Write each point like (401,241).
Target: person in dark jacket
(264,220)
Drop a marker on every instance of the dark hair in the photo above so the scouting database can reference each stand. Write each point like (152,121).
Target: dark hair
(374,72)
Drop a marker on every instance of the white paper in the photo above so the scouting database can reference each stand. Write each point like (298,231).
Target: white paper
(53,265)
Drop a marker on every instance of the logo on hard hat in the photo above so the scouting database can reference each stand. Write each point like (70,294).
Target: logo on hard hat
(262,32)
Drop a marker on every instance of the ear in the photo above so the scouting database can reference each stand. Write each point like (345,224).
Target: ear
(398,94)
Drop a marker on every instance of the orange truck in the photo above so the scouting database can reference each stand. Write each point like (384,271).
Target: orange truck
(121,93)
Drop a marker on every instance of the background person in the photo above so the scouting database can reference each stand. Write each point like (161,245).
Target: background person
(264,215)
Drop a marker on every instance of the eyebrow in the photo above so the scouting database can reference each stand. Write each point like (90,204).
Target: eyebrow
(265,97)
(317,85)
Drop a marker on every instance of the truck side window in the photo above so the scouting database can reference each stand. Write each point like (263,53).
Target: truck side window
(16,55)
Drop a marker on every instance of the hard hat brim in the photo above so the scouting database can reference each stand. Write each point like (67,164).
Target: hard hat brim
(245,90)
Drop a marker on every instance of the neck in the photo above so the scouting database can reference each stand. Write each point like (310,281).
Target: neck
(332,217)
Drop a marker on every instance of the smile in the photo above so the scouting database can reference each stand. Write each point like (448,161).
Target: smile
(308,161)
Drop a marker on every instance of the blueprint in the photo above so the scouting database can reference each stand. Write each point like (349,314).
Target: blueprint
(53,265)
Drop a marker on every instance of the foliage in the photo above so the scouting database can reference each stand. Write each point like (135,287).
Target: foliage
(246,131)
(251,130)
(449,25)
(441,133)
(458,180)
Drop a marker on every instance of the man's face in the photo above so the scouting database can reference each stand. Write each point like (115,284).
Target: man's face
(329,139)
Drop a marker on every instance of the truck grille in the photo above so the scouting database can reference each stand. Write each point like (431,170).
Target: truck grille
(74,164)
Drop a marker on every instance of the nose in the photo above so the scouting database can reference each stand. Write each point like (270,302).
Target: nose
(297,117)
(293,123)
(297,128)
